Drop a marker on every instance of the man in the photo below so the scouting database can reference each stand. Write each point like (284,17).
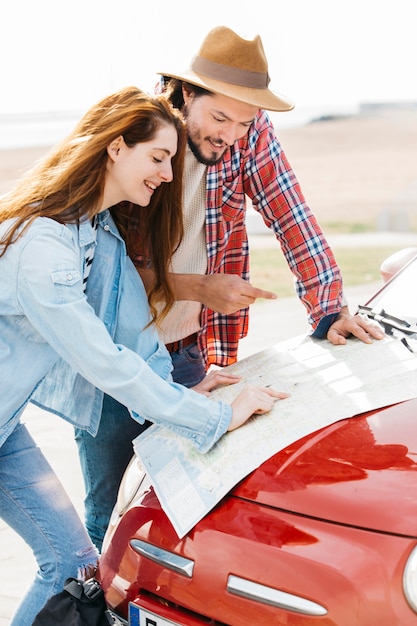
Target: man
(233,154)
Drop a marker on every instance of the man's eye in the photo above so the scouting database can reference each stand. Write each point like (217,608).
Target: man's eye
(218,119)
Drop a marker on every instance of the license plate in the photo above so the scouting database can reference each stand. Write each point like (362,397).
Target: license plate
(142,617)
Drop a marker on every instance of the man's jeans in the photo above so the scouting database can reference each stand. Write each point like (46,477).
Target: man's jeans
(105,457)
(189,369)
(34,503)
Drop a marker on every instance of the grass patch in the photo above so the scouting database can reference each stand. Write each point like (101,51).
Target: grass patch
(359,266)
(347,227)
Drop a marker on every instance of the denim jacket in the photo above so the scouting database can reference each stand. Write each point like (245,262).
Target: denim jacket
(62,348)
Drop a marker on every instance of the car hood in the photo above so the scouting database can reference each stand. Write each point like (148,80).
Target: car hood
(360,472)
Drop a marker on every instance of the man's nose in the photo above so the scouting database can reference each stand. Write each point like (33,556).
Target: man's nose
(230,134)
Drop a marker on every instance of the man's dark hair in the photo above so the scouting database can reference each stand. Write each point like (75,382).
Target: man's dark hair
(172,88)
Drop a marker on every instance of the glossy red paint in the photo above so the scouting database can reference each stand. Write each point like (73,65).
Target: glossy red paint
(358,472)
(310,533)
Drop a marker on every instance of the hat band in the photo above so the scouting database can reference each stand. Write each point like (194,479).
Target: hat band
(231,75)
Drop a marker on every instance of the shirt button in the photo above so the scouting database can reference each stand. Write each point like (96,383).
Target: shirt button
(69,277)
(106,227)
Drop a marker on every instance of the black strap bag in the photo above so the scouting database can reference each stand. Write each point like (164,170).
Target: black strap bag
(81,603)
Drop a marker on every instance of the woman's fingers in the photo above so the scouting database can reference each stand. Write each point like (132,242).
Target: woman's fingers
(253,399)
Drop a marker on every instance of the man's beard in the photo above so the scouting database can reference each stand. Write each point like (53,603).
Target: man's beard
(200,157)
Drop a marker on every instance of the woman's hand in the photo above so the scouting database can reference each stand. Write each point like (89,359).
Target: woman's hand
(253,399)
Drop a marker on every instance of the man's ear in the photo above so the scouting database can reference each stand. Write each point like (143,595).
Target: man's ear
(113,148)
(187,94)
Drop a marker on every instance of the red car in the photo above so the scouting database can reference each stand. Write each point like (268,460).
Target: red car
(323,533)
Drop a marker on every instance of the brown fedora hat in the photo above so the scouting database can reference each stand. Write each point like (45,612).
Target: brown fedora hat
(234,67)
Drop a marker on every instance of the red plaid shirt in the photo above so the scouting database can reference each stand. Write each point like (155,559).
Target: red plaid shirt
(257,167)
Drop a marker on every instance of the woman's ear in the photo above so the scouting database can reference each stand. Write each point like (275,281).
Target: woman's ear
(113,148)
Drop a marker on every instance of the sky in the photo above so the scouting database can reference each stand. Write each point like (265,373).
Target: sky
(64,55)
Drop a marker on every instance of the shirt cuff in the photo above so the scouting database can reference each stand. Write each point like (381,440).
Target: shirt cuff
(323,326)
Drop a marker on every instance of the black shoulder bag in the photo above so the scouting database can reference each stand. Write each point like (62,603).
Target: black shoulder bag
(79,604)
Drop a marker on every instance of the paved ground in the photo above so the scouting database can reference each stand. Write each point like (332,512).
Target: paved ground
(271,322)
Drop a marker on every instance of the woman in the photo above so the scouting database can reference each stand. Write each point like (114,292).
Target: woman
(123,149)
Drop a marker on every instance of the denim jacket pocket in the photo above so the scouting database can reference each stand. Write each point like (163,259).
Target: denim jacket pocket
(63,279)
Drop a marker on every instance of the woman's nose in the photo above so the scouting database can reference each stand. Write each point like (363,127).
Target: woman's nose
(166,173)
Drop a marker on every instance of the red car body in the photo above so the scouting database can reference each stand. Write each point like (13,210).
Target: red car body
(323,533)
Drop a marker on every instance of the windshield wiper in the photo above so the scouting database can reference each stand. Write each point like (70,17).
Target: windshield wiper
(389,322)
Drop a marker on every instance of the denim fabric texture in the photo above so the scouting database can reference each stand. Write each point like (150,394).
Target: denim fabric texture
(34,503)
(44,315)
(104,459)
(189,368)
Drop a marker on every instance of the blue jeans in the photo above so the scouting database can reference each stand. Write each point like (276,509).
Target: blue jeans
(34,503)
(189,368)
(105,457)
